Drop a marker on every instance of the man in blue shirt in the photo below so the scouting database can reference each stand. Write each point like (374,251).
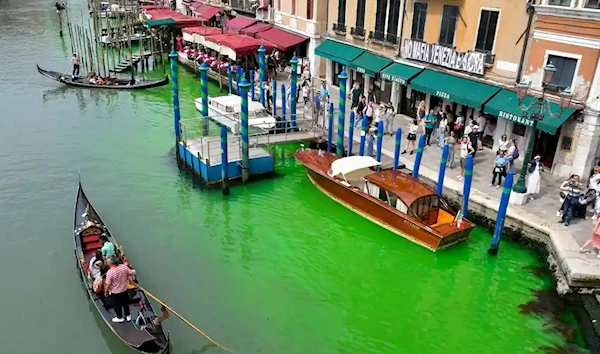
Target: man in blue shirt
(500,165)
(429,125)
(108,249)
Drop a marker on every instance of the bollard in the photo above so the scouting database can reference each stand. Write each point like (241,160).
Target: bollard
(351,133)
(329,127)
(283,108)
(397,148)
(175,81)
(508,182)
(341,113)
(204,95)
(294,86)
(363,136)
(252,93)
(230,78)
(245,147)
(274,90)
(467,185)
(379,141)
(419,156)
(261,68)
(224,161)
(442,173)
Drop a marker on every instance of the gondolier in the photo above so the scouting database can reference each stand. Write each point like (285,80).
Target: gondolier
(75,62)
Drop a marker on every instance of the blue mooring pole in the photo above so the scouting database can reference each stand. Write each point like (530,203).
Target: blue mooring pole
(442,173)
(329,127)
(244,85)
(341,113)
(175,82)
(283,107)
(379,141)
(467,186)
(397,148)
(506,189)
(274,90)
(419,156)
(252,93)
(351,133)
(363,136)
(204,95)
(238,79)
(294,87)
(230,78)
(262,74)
(224,161)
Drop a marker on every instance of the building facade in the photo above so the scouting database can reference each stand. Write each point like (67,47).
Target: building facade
(566,34)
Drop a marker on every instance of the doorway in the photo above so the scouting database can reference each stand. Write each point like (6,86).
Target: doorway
(545,145)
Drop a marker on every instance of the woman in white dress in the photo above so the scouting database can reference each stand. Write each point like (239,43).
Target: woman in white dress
(535,176)
(595,185)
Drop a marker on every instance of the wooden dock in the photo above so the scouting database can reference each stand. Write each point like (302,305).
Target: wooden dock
(126,64)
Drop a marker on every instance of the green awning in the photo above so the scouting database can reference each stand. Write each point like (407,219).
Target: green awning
(369,63)
(453,88)
(506,105)
(161,22)
(338,52)
(400,73)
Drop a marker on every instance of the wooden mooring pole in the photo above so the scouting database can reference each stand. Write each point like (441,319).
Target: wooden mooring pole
(60,25)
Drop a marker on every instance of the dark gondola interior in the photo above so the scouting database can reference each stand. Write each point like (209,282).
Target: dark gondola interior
(116,84)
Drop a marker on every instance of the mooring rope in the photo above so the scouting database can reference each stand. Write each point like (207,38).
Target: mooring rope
(185,320)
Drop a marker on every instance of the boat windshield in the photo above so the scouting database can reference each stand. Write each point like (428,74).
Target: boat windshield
(260,113)
(432,210)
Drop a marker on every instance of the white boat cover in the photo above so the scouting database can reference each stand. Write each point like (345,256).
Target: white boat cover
(346,165)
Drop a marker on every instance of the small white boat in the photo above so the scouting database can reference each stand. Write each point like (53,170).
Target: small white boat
(226,110)
(106,40)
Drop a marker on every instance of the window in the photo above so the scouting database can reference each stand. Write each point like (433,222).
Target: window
(360,14)
(309,9)
(279,5)
(565,71)
(519,129)
(393,20)
(380,16)
(341,12)
(560,3)
(486,34)
(293,10)
(449,17)
(418,21)
(592,4)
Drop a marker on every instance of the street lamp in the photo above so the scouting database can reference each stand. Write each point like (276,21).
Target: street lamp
(543,109)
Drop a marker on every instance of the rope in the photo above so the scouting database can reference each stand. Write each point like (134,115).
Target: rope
(184,320)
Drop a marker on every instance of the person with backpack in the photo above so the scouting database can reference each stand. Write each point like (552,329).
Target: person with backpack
(513,151)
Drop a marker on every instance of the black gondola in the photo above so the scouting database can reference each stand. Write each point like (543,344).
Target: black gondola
(117,84)
(60,5)
(141,333)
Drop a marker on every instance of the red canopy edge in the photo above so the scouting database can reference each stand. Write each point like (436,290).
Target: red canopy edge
(256,28)
(203,30)
(240,22)
(241,44)
(282,39)
(180,19)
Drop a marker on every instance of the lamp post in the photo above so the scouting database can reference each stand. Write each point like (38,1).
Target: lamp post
(543,109)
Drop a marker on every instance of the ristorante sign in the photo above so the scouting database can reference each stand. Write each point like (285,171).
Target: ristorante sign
(472,62)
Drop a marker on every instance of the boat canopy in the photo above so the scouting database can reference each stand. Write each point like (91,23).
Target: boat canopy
(347,165)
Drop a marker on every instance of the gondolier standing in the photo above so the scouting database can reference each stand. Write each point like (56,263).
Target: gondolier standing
(75,62)
(117,282)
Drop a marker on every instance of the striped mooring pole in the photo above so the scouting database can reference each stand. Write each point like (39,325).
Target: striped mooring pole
(351,132)
(363,135)
(244,85)
(467,185)
(262,74)
(229,78)
(224,161)
(506,189)
(379,142)
(442,173)
(341,114)
(252,91)
(397,148)
(175,82)
(419,156)
(204,96)
(294,83)
(283,108)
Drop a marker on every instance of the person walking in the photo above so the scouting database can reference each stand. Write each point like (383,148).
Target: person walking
(534,179)
(412,136)
(354,96)
(466,149)
(442,128)
(594,239)
(76,65)
(499,171)
(117,284)
(481,124)
(572,188)
(389,115)
(429,126)
(451,141)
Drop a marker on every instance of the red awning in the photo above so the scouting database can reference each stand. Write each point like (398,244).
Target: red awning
(203,30)
(241,44)
(282,39)
(181,20)
(208,11)
(257,27)
(240,22)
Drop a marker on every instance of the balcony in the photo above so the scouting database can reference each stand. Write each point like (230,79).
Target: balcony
(358,32)
(266,15)
(387,39)
(247,6)
(339,28)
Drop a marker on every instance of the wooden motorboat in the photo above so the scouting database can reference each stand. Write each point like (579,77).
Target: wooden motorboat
(142,333)
(115,84)
(392,199)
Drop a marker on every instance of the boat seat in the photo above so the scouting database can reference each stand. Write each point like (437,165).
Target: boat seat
(90,238)
(92,245)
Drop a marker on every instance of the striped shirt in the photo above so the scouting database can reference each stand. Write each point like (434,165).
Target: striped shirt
(572,189)
(117,278)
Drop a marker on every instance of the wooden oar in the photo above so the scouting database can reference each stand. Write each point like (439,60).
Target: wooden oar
(60,79)
(184,320)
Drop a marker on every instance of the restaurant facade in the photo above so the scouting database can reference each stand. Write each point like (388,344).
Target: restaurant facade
(447,54)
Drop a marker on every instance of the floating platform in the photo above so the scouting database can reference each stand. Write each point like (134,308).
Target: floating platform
(126,64)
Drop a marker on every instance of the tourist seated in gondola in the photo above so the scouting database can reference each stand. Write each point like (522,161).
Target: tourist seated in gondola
(96,265)
(108,249)
(92,78)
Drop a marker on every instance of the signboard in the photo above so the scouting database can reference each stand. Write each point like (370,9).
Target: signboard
(360,70)
(389,77)
(515,118)
(471,62)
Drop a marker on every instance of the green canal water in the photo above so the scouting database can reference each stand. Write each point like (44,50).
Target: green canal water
(274,268)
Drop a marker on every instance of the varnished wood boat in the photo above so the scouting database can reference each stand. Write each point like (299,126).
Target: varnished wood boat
(118,84)
(392,199)
(141,333)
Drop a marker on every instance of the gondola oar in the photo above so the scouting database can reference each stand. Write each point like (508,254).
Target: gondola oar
(184,320)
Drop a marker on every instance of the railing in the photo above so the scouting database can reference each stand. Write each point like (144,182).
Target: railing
(383,38)
(339,28)
(244,5)
(267,15)
(357,32)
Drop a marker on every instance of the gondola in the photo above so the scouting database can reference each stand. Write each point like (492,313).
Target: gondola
(60,5)
(143,333)
(118,84)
